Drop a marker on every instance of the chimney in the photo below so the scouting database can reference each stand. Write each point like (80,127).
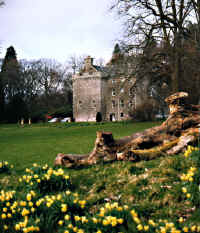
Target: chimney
(88,62)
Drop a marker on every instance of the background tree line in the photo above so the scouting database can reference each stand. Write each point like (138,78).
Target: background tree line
(35,89)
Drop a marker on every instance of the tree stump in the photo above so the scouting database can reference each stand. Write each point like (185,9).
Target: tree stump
(182,128)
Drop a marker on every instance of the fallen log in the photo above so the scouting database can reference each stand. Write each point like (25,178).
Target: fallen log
(182,128)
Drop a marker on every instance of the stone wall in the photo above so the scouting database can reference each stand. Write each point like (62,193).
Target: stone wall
(87,97)
(120,98)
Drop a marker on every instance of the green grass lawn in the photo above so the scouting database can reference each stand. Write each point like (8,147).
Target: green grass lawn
(152,188)
(40,143)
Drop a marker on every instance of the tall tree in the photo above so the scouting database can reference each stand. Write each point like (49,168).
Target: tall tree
(49,85)
(163,20)
(76,63)
(11,84)
(1,88)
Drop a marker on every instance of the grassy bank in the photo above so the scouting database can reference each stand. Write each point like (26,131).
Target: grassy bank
(161,195)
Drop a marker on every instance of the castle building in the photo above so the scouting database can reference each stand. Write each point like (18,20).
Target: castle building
(99,90)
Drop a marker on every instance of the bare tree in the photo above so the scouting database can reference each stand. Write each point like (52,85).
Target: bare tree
(50,75)
(76,63)
(165,21)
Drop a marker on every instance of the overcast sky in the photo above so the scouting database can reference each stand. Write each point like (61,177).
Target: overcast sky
(58,29)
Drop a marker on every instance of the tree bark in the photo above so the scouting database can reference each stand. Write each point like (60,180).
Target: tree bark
(173,136)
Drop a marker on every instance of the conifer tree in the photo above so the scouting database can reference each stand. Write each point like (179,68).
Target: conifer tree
(2,99)
(10,86)
(117,49)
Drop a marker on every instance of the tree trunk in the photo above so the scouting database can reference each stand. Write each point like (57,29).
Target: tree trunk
(177,66)
(171,137)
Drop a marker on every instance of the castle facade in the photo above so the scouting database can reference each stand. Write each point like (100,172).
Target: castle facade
(97,91)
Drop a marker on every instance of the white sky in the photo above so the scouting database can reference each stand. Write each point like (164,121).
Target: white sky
(58,28)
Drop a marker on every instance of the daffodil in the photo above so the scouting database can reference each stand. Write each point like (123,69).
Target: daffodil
(188,195)
(84,219)
(181,219)
(133,213)
(3,216)
(136,219)
(70,226)
(5,227)
(60,222)
(75,229)
(67,192)
(120,220)
(76,218)
(80,231)
(63,208)
(67,217)
(140,227)
(184,190)
(25,212)
(17,227)
(193,228)
(95,220)
(28,197)
(185,229)
(151,222)
(163,230)
(105,222)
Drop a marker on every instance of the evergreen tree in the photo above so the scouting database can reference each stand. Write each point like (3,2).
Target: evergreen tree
(117,49)
(10,85)
(2,99)
(10,56)
(117,55)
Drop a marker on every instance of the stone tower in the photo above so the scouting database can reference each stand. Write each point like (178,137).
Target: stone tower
(89,92)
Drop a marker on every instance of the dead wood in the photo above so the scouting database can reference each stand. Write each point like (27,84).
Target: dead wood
(173,136)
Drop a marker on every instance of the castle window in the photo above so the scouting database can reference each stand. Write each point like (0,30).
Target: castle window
(113,104)
(113,92)
(80,103)
(121,114)
(122,90)
(121,103)
(132,91)
(94,103)
(130,104)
